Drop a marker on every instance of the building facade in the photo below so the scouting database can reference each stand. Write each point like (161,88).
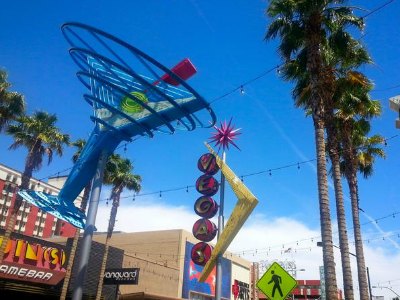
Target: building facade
(163,257)
(31,221)
(166,268)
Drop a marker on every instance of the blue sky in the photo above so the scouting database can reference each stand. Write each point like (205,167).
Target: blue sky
(225,41)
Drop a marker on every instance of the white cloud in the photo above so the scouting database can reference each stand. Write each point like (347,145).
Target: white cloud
(261,239)
(147,217)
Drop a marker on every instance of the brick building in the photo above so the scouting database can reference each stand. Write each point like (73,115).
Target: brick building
(31,221)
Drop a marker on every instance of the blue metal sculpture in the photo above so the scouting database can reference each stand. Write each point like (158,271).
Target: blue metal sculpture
(131,94)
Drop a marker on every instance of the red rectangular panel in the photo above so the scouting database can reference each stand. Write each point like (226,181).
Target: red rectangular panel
(184,70)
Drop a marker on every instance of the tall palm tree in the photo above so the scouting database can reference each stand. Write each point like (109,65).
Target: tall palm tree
(354,114)
(79,144)
(304,29)
(348,89)
(12,104)
(118,173)
(359,154)
(343,63)
(39,134)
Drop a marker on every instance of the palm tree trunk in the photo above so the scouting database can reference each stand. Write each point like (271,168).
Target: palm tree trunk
(351,175)
(341,215)
(115,197)
(320,93)
(325,217)
(102,270)
(25,180)
(68,273)
(362,273)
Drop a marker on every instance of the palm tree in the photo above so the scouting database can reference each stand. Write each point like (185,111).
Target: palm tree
(12,104)
(358,155)
(354,114)
(305,29)
(79,144)
(118,173)
(39,134)
(347,92)
(348,81)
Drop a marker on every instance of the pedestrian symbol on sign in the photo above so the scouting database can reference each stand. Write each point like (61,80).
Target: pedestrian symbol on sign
(276,283)
(277,280)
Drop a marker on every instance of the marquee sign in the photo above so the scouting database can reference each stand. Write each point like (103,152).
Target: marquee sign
(205,206)
(121,276)
(33,260)
(244,206)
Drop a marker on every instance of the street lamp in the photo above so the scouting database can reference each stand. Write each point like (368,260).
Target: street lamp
(385,287)
(319,244)
(394,104)
(294,273)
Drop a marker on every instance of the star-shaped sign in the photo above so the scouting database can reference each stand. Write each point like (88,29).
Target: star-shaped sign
(225,135)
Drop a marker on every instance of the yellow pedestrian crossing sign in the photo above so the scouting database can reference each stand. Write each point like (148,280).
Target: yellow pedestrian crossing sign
(276,283)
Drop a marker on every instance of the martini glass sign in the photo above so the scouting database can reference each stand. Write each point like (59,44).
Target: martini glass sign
(205,207)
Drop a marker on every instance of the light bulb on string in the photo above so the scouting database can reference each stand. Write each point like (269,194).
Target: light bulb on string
(242,92)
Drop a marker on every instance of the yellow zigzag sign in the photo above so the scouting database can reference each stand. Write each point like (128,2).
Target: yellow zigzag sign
(244,206)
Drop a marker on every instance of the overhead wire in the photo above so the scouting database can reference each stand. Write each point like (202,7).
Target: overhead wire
(267,170)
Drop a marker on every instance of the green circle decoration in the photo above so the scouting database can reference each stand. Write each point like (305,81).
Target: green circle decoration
(129,105)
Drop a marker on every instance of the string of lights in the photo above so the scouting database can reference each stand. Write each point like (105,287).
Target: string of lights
(388,282)
(317,238)
(186,188)
(160,192)
(242,86)
(281,248)
(170,260)
(59,173)
(377,8)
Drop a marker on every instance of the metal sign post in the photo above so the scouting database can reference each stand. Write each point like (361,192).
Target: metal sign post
(89,228)
(218,280)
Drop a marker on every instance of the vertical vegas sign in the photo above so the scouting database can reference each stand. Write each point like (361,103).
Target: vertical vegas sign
(205,207)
